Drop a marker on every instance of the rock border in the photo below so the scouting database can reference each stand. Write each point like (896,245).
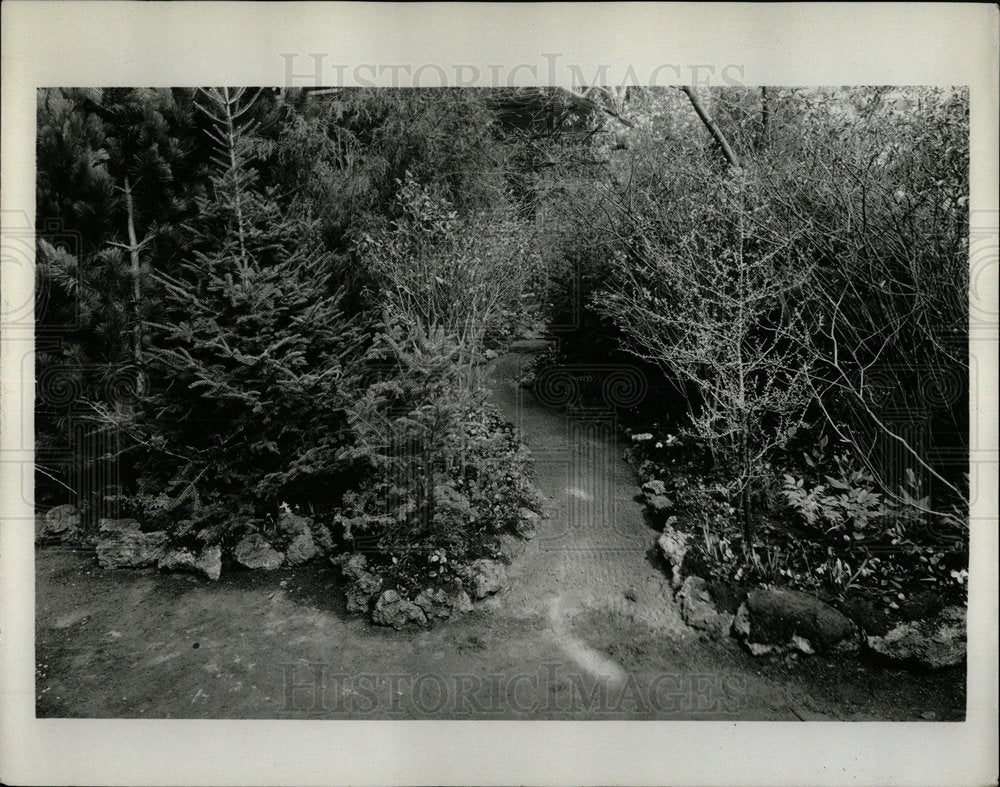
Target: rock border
(781,620)
(365,590)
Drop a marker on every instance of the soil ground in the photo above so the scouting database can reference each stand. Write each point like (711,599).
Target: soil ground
(586,630)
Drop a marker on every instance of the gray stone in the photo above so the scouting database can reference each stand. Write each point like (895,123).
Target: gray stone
(655,494)
(674,546)
(527,524)
(177,559)
(486,577)
(353,566)
(697,608)
(777,619)
(654,487)
(110,526)
(442,602)
(322,538)
(301,550)
(659,504)
(935,643)
(209,563)
(293,524)
(254,552)
(361,590)
(130,548)
(61,520)
(391,609)
(510,547)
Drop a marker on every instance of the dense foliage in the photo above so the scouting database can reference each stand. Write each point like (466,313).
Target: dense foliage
(253,301)
(810,303)
(292,297)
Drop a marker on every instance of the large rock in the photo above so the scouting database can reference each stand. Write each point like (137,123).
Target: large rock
(353,565)
(509,547)
(777,619)
(109,526)
(322,538)
(674,546)
(293,524)
(391,609)
(935,643)
(486,577)
(178,559)
(254,552)
(208,564)
(655,494)
(59,522)
(301,550)
(361,590)
(698,609)
(654,486)
(527,524)
(443,602)
(129,547)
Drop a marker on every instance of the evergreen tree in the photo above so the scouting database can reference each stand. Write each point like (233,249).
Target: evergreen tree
(115,174)
(246,408)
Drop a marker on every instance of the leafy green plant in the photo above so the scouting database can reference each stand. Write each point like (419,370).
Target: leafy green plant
(444,476)
(437,271)
(248,366)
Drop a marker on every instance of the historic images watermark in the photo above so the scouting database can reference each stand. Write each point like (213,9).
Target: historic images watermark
(315,688)
(315,69)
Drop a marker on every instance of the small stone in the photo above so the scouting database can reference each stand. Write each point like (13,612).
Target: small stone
(486,577)
(353,566)
(674,546)
(443,603)
(527,524)
(362,590)
(655,493)
(322,538)
(293,524)
(62,520)
(391,609)
(209,563)
(177,560)
(698,609)
(254,552)
(509,547)
(117,525)
(130,548)
(928,715)
(659,504)
(654,487)
(935,643)
(301,550)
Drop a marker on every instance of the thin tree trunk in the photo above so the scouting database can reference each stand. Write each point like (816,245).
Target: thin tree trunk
(231,131)
(713,129)
(140,382)
(765,120)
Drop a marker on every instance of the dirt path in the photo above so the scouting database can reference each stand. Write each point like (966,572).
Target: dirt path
(587,630)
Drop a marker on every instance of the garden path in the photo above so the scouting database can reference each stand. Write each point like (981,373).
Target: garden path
(586,630)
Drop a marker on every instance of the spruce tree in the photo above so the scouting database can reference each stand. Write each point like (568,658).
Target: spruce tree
(249,364)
